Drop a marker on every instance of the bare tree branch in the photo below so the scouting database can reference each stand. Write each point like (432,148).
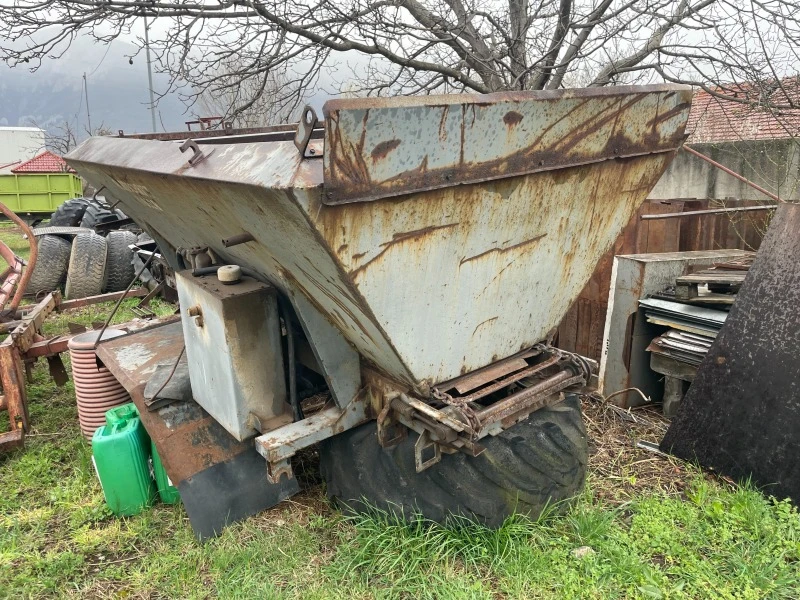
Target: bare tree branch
(234,51)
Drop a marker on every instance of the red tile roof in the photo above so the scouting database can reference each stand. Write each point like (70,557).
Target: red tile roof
(46,162)
(714,119)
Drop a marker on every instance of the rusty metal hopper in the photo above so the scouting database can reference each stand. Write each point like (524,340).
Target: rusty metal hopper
(438,234)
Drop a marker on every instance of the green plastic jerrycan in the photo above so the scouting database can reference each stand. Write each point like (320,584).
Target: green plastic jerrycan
(169,493)
(121,455)
(121,413)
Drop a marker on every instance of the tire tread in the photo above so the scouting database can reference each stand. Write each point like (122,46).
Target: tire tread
(87,266)
(535,463)
(120,265)
(70,213)
(51,266)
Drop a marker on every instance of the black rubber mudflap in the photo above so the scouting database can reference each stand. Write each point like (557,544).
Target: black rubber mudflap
(231,491)
(741,416)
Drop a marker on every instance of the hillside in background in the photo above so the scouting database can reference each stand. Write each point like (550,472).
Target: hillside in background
(118,92)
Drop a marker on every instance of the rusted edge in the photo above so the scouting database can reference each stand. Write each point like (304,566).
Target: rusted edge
(457,99)
(349,177)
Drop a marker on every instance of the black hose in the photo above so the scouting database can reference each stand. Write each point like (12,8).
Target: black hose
(297,410)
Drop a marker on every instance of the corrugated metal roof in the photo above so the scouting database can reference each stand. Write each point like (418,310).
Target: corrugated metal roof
(714,119)
(46,162)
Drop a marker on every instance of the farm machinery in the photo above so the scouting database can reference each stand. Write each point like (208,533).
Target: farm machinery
(405,259)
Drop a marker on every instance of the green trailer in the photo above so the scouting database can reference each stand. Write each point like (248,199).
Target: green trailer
(35,196)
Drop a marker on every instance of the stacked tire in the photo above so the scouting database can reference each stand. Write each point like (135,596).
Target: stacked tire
(83,212)
(50,270)
(86,274)
(119,264)
(86,264)
(69,214)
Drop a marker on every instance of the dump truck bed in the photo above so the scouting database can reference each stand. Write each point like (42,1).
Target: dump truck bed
(437,234)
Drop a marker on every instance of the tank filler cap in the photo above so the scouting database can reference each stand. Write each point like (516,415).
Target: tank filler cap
(229,274)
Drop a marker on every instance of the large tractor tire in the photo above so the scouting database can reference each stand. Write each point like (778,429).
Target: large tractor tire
(120,260)
(51,265)
(97,214)
(532,465)
(69,214)
(86,275)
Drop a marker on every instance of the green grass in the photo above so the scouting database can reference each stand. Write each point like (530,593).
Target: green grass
(98,313)
(12,236)
(58,539)
(705,538)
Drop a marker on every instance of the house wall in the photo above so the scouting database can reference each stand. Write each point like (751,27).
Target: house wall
(20,143)
(772,164)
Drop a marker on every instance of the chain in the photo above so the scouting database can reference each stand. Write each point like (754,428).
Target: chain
(462,406)
(575,362)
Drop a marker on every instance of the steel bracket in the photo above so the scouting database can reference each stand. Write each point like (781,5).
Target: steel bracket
(279,445)
(303,135)
(279,468)
(198,155)
(390,431)
(422,444)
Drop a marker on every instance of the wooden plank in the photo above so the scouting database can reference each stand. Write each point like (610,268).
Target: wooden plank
(22,337)
(490,373)
(568,329)
(641,229)
(659,232)
(596,330)
(583,344)
(718,277)
(686,291)
(12,378)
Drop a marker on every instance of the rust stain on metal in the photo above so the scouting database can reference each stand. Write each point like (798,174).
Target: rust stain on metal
(336,298)
(617,127)
(398,238)
(529,397)
(597,122)
(483,323)
(503,250)
(383,149)
(442,123)
(665,116)
(512,118)
(407,235)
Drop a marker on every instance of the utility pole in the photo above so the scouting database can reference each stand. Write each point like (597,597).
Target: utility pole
(149,74)
(86,93)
